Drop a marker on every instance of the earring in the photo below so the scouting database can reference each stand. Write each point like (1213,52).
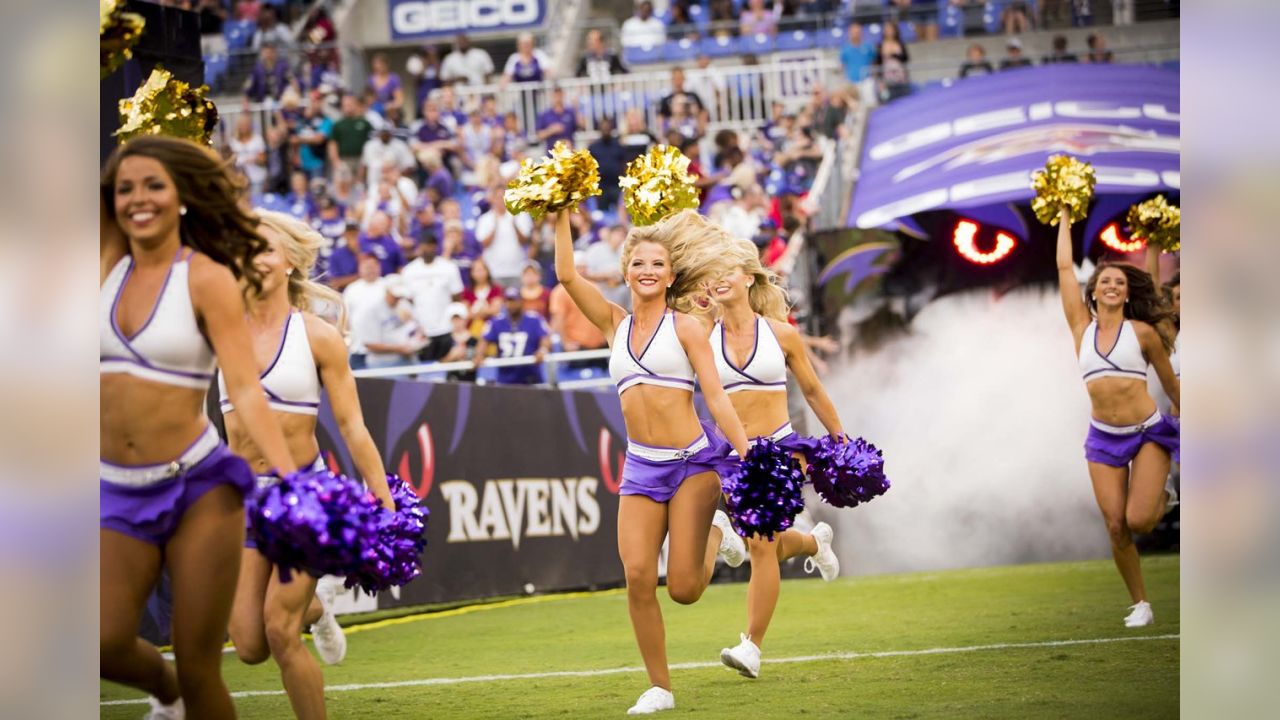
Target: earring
(182,209)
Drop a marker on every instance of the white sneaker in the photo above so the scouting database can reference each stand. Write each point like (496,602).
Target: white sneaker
(825,559)
(1172,501)
(1141,615)
(326,633)
(160,711)
(745,658)
(655,699)
(732,550)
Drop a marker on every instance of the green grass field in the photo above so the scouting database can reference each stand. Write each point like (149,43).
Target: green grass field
(1021,605)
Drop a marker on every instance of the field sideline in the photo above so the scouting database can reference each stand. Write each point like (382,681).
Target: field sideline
(1025,641)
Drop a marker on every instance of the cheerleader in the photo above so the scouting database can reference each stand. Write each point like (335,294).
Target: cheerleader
(1119,328)
(175,240)
(754,346)
(297,354)
(669,480)
(1173,294)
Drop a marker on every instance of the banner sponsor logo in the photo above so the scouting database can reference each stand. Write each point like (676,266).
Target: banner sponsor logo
(428,18)
(524,507)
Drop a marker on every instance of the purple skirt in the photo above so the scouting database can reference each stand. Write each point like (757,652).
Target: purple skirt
(1117,446)
(791,441)
(151,513)
(658,472)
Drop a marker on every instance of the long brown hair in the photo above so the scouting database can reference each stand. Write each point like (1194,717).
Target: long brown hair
(216,223)
(1145,303)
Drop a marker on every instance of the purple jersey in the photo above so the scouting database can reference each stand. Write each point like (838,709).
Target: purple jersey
(568,120)
(518,339)
(384,248)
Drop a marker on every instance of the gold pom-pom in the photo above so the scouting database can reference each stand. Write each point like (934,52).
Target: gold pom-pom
(658,184)
(118,32)
(1157,222)
(166,106)
(557,182)
(1064,182)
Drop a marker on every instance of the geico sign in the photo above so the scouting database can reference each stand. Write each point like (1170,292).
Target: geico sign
(442,16)
(527,507)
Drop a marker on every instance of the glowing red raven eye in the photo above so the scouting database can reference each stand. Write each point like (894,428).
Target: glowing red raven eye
(966,233)
(1110,237)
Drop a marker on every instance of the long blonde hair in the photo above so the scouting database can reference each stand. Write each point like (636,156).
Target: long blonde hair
(301,248)
(697,248)
(767,298)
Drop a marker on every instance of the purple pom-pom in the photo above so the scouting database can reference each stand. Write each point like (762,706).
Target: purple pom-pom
(395,558)
(847,474)
(764,492)
(313,521)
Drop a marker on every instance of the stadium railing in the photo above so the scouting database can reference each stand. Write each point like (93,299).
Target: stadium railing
(551,363)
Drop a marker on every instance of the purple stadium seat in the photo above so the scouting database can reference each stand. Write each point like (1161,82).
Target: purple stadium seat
(829,37)
(682,50)
(950,20)
(908,31)
(720,46)
(796,40)
(642,55)
(758,43)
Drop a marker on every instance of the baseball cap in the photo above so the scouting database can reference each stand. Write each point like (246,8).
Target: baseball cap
(511,293)
(456,309)
(1013,42)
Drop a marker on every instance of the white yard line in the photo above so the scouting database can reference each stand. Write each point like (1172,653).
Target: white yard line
(693,666)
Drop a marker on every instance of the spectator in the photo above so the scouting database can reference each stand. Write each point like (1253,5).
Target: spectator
(430,133)
(434,283)
(378,241)
(458,246)
(1082,13)
(248,9)
(746,214)
(702,179)
(464,343)
(250,152)
(269,78)
(429,74)
(271,31)
(1060,54)
(723,14)
(301,204)
(339,265)
(528,63)
(394,193)
(612,158)
(348,137)
(466,64)
(776,129)
(678,92)
(514,141)
(387,89)
(385,330)
(679,25)
(372,110)
(383,150)
(329,221)
(757,20)
(312,136)
(892,57)
(975,62)
(683,120)
(359,294)
(1015,18)
(603,262)
(856,55)
(483,299)
(451,113)
(643,29)
(1013,57)
(576,332)
(425,223)
(345,189)
(557,122)
(532,290)
(517,334)
(505,239)
(439,181)
(489,111)
(597,62)
(1098,52)
(707,83)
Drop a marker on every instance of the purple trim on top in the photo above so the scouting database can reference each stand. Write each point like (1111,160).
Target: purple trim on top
(1116,369)
(631,324)
(652,376)
(1106,357)
(128,339)
(284,337)
(754,382)
(755,345)
(143,362)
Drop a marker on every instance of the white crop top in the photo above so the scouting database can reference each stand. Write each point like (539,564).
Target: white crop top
(291,381)
(1124,360)
(663,361)
(766,366)
(169,347)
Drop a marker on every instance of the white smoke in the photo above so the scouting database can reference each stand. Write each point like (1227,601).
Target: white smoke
(981,415)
